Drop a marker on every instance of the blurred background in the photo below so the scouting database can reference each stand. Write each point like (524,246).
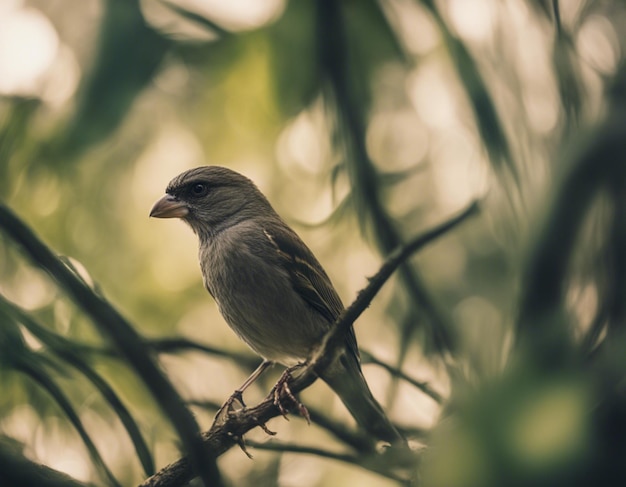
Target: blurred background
(365,123)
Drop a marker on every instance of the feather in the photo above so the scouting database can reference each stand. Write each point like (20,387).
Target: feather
(308,277)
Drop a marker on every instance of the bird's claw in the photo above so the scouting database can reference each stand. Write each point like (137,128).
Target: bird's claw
(227,408)
(242,446)
(282,390)
(236,396)
(264,427)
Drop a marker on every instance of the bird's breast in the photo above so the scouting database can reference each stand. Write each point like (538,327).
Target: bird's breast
(255,295)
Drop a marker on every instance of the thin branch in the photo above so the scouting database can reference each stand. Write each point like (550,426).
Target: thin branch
(248,361)
(278,446)
(367,357)
(168,345)
(176,344)
(204,404)
(365,296)
(354,438)
(112,324)
(18,470)
(293,448)
(223,436)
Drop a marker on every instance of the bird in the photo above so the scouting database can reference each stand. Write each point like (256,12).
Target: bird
(268,285)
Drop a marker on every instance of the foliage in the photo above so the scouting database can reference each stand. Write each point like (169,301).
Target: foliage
(498,348)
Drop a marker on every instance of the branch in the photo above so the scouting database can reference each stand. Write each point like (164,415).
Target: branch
(245,360)
(168,345)
(18,470)
(112,324)
(423,386)
(173,345)
(223,436)
(320,452)
(293,448)
(364,298)
(356,439)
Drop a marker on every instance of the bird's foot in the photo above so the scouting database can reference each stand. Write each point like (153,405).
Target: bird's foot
(227,408)
(242,446)
(281,391)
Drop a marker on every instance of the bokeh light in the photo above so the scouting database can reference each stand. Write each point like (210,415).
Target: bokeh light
(365,124)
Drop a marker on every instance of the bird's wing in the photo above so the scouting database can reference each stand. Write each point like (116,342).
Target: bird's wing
(308,276)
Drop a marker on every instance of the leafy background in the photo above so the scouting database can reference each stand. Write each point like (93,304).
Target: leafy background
(365,123)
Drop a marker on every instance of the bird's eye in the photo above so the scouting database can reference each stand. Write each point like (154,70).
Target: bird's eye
(199,189)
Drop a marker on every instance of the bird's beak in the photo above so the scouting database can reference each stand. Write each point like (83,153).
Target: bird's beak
(169,207)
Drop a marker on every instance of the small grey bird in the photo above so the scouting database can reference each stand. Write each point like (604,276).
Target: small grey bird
(268,285)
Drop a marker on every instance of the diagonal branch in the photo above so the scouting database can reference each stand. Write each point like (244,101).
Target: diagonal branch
(367,357)
(334,337)
(223,436)
(355,439)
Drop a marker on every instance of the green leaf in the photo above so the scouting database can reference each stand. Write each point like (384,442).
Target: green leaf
(32,368)
(128,56)
(67,351)
(488,121)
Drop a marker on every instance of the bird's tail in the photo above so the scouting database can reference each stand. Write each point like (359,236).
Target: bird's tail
(344,377)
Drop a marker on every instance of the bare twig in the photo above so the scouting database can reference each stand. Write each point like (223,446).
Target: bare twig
(320,452)
(294,448)
(367,357)
(356,439)
(204,404)
(170,345)
(365,296)
(177,344)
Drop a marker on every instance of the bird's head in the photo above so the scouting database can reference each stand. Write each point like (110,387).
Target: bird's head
(209,198)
